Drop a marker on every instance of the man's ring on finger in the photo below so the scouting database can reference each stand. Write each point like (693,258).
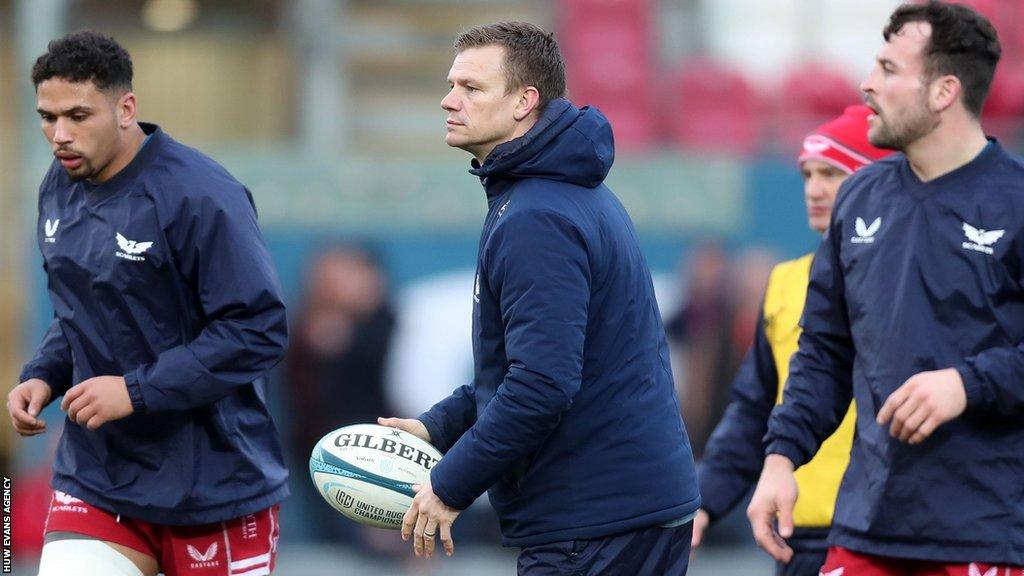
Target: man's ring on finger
(428,534)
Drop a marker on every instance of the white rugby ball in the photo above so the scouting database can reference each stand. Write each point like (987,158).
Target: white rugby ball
(367,472)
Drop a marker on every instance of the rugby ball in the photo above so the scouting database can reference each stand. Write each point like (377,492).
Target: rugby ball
(367,472)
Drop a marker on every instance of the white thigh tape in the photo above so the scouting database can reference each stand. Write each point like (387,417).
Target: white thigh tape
(82,557)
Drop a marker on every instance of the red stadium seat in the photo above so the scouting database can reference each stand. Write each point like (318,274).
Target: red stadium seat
(608,48)
(603,8)
(608,59)
(714,108)
(633,125)
(820,89)
(1004,108)
(810,94)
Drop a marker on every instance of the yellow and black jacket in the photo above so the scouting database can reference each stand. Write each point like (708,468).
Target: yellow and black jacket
(735,453)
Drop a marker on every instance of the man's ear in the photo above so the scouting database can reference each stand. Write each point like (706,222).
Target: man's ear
(529,100)
(944,92)
(126,109)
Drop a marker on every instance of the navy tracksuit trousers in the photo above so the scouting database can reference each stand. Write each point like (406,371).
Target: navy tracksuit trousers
(647,552)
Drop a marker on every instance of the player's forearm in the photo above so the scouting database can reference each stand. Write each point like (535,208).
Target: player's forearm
(994,380)
(797,427)
(449,419)
(819,387)
(227,355)
(511,428)
(734,454)
(51,362)
(732,459)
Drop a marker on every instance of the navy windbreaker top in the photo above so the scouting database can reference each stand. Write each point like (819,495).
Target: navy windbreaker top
(916,276)
(571,419)
(161,275)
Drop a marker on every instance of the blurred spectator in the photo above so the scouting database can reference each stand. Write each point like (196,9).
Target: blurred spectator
(700,337)
(717,109)
(749,271)
(711,331)
(335,371)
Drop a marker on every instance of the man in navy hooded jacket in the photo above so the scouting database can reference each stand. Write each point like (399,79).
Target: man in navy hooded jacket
(571,419)
(167,316)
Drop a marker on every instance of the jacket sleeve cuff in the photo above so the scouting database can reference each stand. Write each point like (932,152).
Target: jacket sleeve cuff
(436,433)
(131,380)
(712,499)
(442,491)
(977,394)
(58,386)
(789,450)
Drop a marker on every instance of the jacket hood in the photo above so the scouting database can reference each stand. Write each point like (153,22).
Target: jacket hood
(567,144)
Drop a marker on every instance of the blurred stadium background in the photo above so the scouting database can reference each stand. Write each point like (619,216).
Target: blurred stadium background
(329,111)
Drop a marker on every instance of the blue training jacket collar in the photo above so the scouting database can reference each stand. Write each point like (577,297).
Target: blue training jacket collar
(567,144)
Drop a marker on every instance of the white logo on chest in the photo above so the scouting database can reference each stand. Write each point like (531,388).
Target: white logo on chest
(51,229)
(865,233)
(130,249)
(981,240)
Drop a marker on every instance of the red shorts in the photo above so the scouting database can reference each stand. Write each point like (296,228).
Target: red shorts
(843,562)
(245,546)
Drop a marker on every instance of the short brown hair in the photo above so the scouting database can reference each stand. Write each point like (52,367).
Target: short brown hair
(963,44)
(532,56)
